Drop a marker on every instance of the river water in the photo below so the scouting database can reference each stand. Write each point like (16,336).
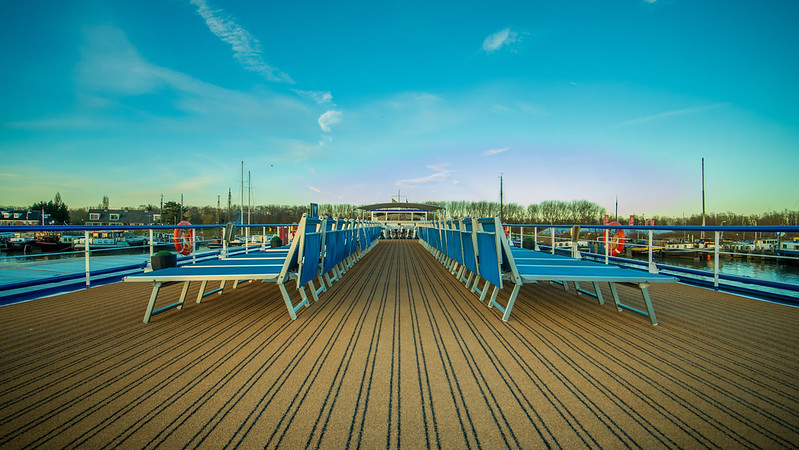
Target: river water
(764,269)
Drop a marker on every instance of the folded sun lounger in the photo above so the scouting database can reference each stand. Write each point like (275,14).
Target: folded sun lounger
(522,266)
(300,262)
(486,253)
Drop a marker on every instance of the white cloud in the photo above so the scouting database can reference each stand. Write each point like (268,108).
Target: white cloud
(320,97)
(495,151)
(112,76)
(317,190)
(109,63)
(440,173)
(666,114)
(246,49)
(328,119)
(500,39)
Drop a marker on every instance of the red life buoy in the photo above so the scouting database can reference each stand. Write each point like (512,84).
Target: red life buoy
(616,241)
(183,239)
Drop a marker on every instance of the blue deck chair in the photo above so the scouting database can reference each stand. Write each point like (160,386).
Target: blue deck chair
(454,247)
(468,246)
(368,236)
(333,242)
(527,266)
(301,263)
(352,243)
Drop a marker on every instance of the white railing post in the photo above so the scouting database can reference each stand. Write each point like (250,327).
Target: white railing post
(521,236)
(193,246)
(716,261)
(575,235)
(535,239)
(151,243)
(224,242)
(86,257)
(553,239)
(607,246)
(652,267)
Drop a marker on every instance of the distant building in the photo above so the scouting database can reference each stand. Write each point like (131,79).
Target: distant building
(122,217)
(13,217)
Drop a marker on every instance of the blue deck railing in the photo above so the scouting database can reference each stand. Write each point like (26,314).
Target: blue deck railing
(81,267)
(566,238)
(558,241)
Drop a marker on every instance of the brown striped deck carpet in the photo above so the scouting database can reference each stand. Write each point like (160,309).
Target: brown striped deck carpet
(398,354)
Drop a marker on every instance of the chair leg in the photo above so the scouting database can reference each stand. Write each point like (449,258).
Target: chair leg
(287,300)
(201,294)
(484,292)
(313,291)
(615,296)
(183,293)
(648,301)
(151,303)
(511,301)
(598,293)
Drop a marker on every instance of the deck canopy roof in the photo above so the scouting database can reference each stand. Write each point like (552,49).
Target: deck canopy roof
(400,212)
(399,205)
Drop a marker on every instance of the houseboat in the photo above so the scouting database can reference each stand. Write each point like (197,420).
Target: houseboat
(789,249)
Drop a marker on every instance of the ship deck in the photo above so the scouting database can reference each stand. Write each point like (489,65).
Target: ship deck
(398,354)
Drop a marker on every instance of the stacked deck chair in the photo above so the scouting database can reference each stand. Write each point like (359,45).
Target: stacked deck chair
(487,255)
(453,246)
(368,236)
(498,261)
(299,262)
(336,248)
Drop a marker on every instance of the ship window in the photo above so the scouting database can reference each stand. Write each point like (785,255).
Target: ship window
(113,217)
(94,216)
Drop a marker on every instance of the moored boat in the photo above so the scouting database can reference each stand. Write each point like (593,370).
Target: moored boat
(789,250)
(48,241)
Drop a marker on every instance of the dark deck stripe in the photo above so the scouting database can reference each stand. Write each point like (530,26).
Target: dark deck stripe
(399,354)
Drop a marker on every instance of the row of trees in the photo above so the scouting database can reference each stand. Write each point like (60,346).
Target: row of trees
(56,208)
(550,211)
(785,217)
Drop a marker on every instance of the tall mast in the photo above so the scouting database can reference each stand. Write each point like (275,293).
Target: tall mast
(241,205)
(249,196)
(703,196)
(501,201)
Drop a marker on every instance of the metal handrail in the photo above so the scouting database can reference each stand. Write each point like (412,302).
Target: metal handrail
(89,275)
(685,274)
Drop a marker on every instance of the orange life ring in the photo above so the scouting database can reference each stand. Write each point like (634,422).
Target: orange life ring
(616,241)
(183,239)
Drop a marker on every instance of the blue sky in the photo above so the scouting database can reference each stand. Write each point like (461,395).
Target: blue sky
(333,102)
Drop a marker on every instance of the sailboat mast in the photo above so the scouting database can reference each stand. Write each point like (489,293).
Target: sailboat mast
(703,196)
(249,196)
(241,205)
(501,201)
